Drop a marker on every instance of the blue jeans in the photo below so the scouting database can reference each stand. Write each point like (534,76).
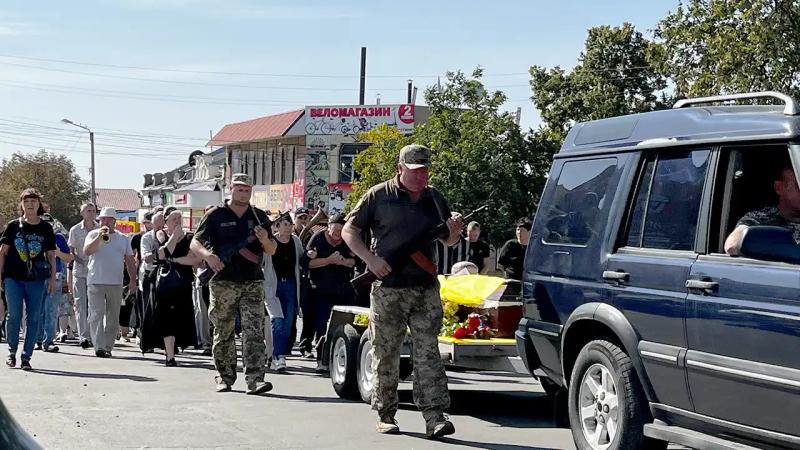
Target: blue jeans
(282,327)
(31,294)
(48,326)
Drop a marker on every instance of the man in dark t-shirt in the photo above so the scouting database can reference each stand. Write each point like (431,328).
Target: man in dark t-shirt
(331,266)
(478,251)
(231,240)
(512,255)
(397,211)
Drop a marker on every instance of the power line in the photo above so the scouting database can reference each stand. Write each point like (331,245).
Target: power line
(45,146)
(101,143)
(198,83)
(119,132)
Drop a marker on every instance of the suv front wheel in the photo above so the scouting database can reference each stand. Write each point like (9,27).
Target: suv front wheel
(607,406)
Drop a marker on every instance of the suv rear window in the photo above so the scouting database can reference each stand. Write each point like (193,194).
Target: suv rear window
(667,203)
(579,197)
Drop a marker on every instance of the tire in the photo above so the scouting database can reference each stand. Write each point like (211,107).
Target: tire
(343,362)
(603,375)
(365,374)
(311,128)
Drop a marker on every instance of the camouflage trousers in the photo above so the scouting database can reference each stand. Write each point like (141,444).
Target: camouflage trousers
(391,310)
(248,297)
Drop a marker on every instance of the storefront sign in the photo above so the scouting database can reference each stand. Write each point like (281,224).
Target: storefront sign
(347,120)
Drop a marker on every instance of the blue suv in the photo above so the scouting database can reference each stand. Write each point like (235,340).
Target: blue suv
(661,286)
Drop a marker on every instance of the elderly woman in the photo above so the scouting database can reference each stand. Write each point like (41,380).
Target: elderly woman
(27,266)
(174,309)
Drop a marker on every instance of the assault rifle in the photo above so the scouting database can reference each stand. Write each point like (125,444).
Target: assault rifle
(411,249)
(227,252)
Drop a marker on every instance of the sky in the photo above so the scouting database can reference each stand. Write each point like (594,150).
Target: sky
(152,78)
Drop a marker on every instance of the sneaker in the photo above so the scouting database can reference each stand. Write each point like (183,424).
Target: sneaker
(63,339)
(258,388)
(26,365)
(102,354)
(38,346)
(207,352)
(85,344)
(222,386)
(50,348)
(438,426)
(387,425)
(279,364)
(171,363)
(11,361)
(321,368)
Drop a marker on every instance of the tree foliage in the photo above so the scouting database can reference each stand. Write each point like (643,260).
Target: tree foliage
(716,47)
(616,74)
(479,155)
(378,162)
(53,175)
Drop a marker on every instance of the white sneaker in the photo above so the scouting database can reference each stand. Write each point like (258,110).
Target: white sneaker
(279,364)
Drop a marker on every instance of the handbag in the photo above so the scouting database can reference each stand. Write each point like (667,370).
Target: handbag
(37,270)
(168,278)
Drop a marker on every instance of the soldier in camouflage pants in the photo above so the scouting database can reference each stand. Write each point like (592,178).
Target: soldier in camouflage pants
(226,297)
(392,309)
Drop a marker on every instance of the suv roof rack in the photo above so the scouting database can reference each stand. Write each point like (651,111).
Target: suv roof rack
(791,108)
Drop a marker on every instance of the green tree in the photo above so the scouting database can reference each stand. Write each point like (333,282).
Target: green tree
(616,74)
(715,47)
(480,155)
(53,175)
(378,162)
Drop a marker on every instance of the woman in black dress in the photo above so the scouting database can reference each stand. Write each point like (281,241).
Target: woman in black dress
(174,310)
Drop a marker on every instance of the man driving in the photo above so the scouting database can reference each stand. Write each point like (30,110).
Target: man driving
(785,214)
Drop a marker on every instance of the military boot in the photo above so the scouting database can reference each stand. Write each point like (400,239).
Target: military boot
(387,425)
(438,426)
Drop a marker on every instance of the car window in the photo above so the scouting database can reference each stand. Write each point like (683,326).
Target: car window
(667,203)
(581,193)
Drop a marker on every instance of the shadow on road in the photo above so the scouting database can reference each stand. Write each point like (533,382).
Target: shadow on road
(477,444)
(106,376)
(515,409)
(300,398)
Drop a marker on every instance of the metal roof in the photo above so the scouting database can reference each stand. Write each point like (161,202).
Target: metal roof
(119,199)
(682,126)
(257,129)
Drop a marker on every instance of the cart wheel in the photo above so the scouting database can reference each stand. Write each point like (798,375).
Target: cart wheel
(343,362)
(366,376)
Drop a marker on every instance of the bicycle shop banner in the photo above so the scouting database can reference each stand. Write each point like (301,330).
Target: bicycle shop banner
(354,119)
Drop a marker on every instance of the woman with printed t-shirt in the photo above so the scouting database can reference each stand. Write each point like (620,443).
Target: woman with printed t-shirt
(27,260)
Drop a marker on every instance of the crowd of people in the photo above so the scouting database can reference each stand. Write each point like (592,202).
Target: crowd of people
(244,273)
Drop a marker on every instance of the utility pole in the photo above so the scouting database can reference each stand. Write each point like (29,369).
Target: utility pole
(362,88)
(410,84)
(92,168)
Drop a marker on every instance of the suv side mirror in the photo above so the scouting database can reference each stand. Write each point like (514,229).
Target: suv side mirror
(770,243)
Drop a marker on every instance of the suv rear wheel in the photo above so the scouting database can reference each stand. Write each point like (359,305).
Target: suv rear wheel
(607,406)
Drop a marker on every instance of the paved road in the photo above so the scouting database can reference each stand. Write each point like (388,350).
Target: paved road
(76,401)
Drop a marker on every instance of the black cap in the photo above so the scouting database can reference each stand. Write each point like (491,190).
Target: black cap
(300,211)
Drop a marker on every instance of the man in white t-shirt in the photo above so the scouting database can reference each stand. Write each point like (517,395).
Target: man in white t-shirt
(76,241)
(109,253)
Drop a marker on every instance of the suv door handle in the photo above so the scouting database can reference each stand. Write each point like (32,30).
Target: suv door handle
(702,285)
(614,275)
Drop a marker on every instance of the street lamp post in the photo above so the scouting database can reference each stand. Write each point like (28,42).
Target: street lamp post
(91,166)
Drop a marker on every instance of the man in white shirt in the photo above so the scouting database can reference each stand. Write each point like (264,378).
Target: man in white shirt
(109,253)
(76,241)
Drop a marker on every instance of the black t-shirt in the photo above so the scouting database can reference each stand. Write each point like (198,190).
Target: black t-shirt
(512,255)
(478,250)
(332,276)
(136,245)
(284,259)
(394,219)
(39,239)
(223,232)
